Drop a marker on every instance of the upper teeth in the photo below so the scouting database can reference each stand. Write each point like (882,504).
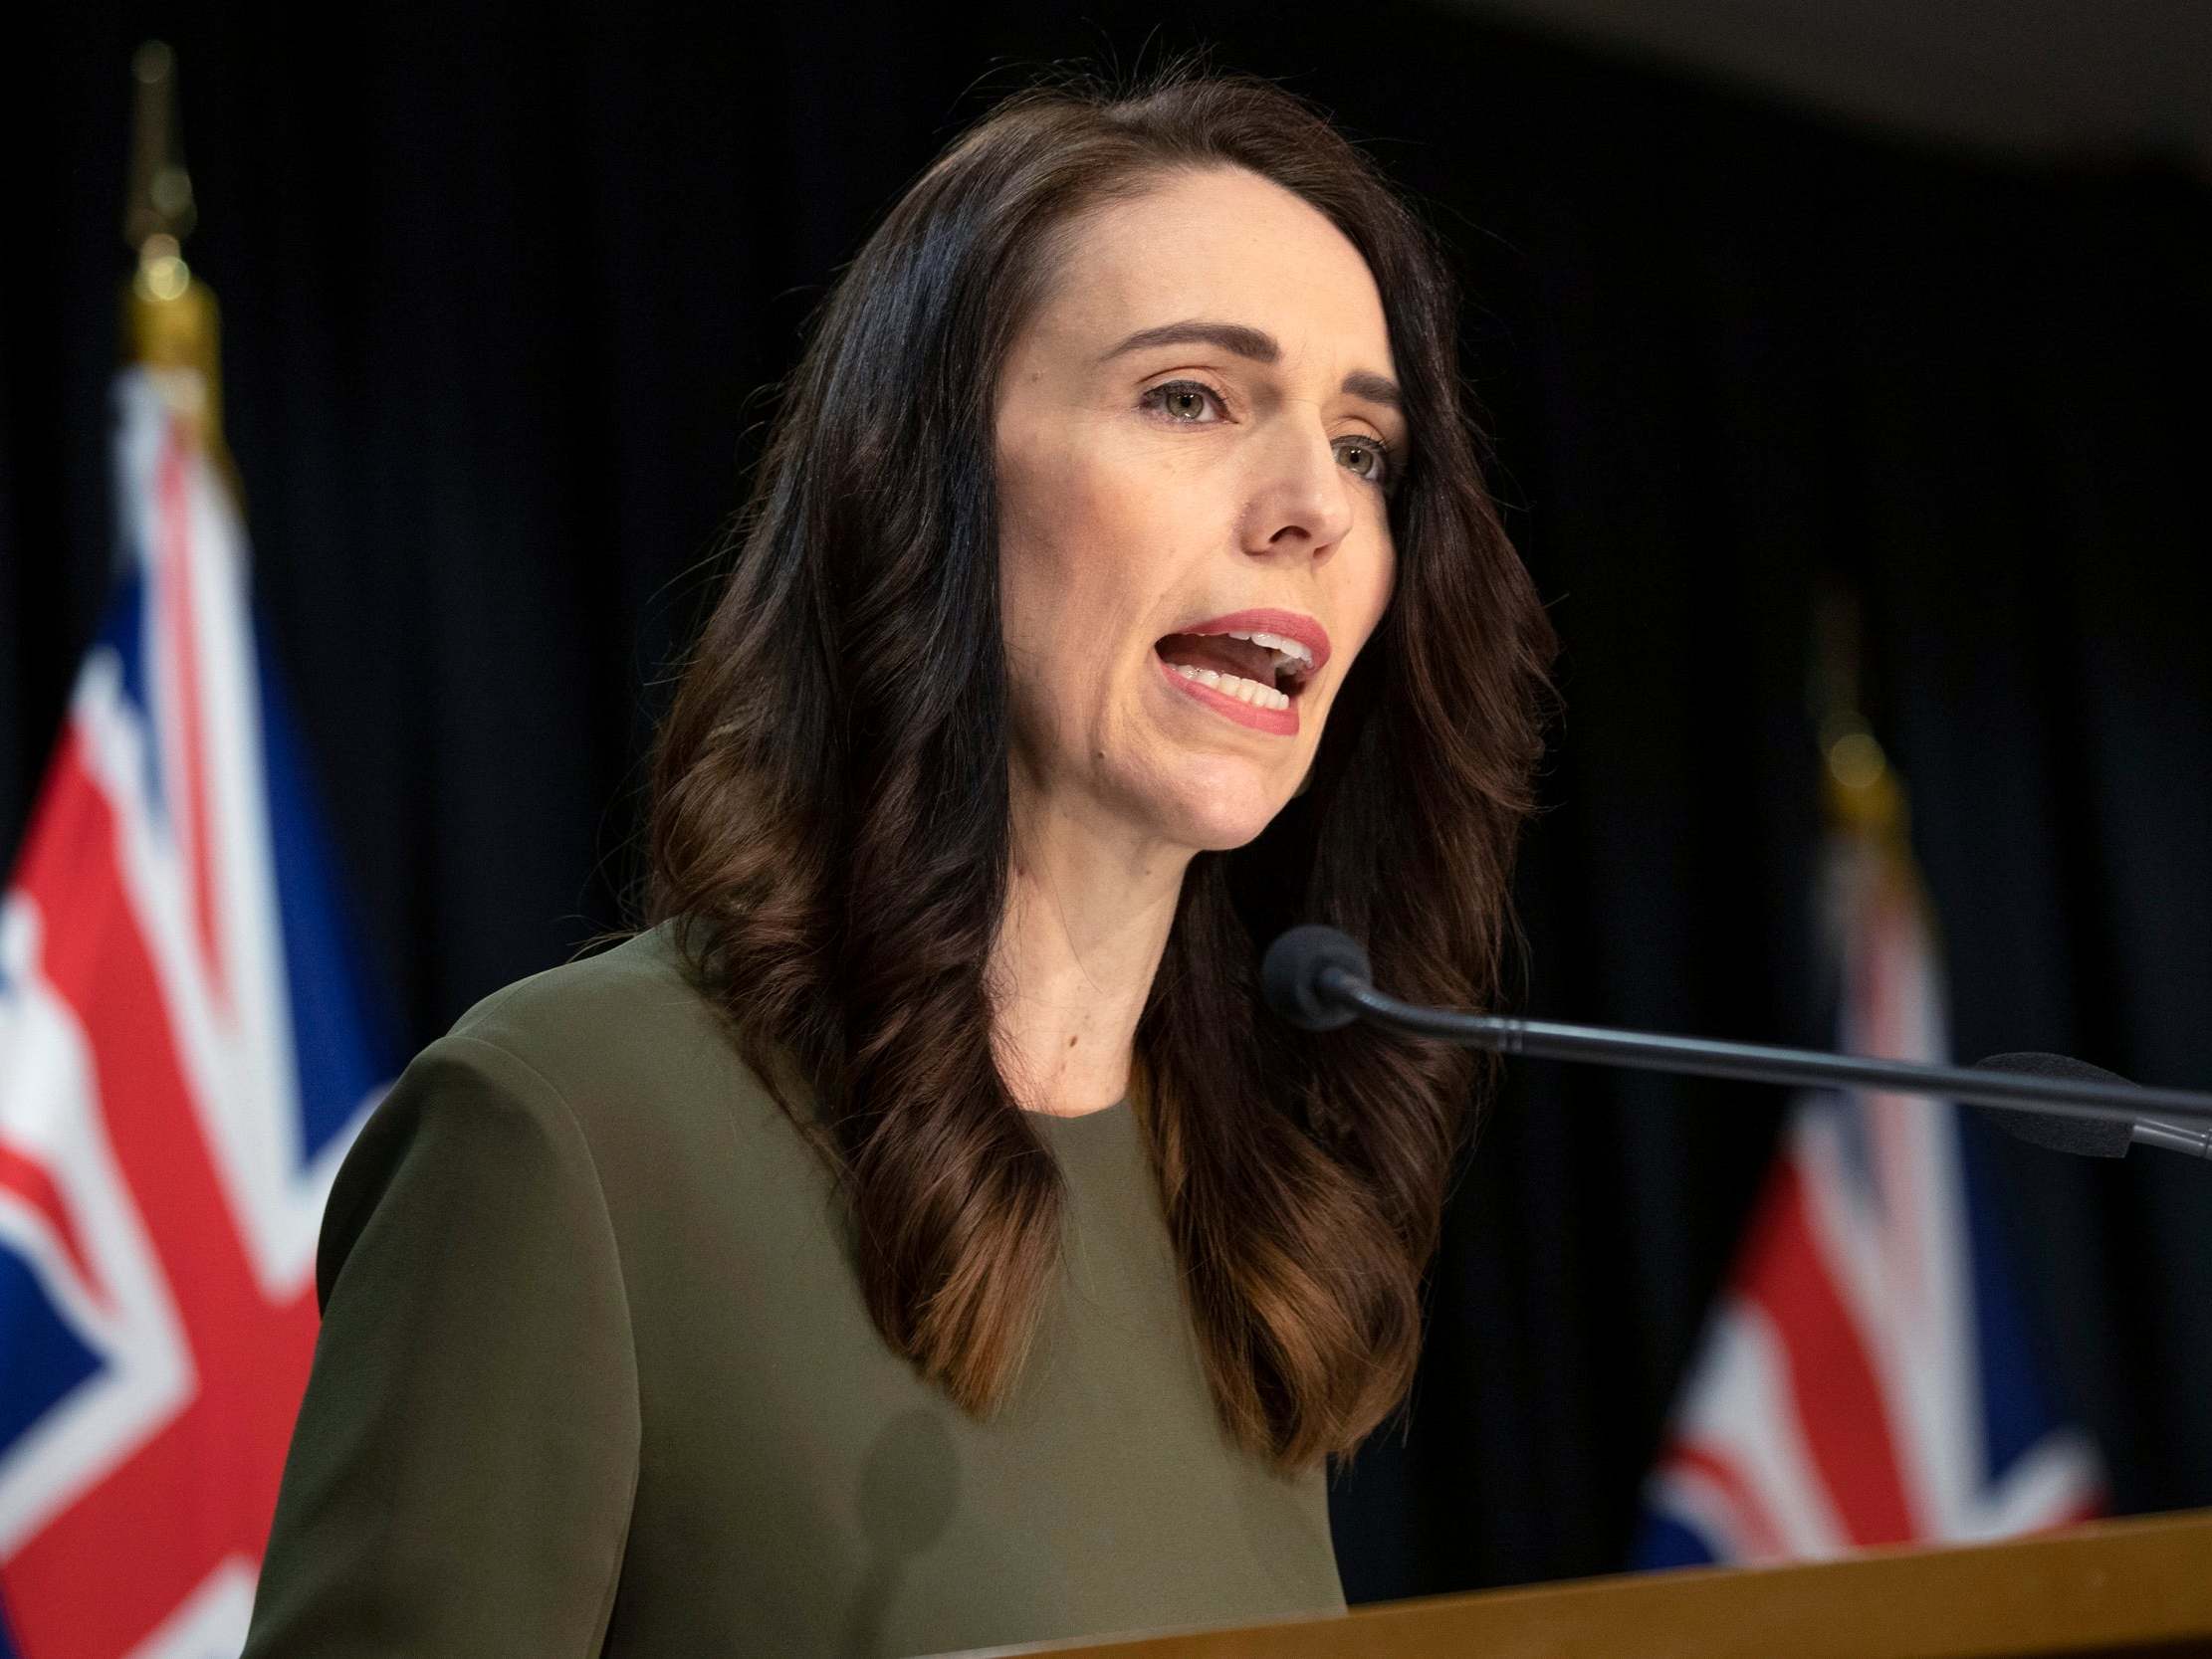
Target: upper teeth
(1286,651)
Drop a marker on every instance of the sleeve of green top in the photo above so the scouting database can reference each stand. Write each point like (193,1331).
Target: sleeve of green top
(461,1473)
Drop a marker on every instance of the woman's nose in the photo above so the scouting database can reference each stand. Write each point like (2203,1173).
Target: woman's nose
(1302,499)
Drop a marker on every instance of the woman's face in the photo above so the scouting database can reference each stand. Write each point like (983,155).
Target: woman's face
(1152,488)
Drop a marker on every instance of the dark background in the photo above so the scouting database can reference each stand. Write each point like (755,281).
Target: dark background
(504,288)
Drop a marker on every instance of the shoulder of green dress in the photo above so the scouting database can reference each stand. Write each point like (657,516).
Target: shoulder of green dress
(642,962)
(617,1029)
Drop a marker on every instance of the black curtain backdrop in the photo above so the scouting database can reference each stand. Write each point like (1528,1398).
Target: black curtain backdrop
(504,285)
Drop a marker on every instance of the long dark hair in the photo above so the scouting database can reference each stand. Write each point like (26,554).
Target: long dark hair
(830,802)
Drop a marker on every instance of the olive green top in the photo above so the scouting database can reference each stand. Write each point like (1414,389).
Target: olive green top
(596,1377)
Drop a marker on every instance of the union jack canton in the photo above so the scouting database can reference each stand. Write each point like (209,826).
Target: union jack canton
(1868,1377)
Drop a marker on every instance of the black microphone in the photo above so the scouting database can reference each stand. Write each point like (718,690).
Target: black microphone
(1317,979)
(2090,1137)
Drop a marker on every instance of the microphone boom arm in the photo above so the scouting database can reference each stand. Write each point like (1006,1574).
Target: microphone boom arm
(2121,1103)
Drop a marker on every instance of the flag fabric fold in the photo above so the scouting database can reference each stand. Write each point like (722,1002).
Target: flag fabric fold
(187,1044)
(1867,1379)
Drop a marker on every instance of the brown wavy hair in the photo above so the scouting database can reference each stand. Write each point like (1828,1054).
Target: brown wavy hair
(830,802)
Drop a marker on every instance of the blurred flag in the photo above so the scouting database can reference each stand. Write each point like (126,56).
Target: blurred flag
(1866,1380)
(186,1052)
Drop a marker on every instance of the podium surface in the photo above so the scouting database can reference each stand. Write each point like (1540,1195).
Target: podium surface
(2113,1588)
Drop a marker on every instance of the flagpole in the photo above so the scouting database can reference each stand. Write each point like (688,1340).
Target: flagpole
(171,327)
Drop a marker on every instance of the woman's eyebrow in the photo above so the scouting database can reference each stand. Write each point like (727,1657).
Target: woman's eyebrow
(1243,341)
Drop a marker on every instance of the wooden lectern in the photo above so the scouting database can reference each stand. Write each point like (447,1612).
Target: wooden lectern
(2138,1587)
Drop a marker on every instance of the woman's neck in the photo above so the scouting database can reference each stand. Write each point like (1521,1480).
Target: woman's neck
(1086,923)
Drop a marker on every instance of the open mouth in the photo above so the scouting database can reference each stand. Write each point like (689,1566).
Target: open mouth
(1264,670)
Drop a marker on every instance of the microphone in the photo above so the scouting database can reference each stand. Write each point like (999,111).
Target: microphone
(2089,1138)
(1317,979)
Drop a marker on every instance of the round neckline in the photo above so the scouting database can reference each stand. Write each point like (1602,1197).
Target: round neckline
(1061,1120)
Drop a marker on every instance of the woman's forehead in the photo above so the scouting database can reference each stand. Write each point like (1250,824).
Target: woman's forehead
(1226,246)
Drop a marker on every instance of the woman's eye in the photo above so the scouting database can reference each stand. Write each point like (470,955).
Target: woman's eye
(1379,469)
(1176,397)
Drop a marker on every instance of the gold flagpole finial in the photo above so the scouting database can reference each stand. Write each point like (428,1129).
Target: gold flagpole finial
(161,196)
(1859,789)
(171,321)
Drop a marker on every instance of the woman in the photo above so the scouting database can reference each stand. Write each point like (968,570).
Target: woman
(920,1237)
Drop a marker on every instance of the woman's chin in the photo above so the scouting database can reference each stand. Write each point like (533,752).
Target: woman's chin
(1220,820)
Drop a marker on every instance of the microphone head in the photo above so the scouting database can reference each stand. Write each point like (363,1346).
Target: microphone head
(1290,975)
(2084,1136)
